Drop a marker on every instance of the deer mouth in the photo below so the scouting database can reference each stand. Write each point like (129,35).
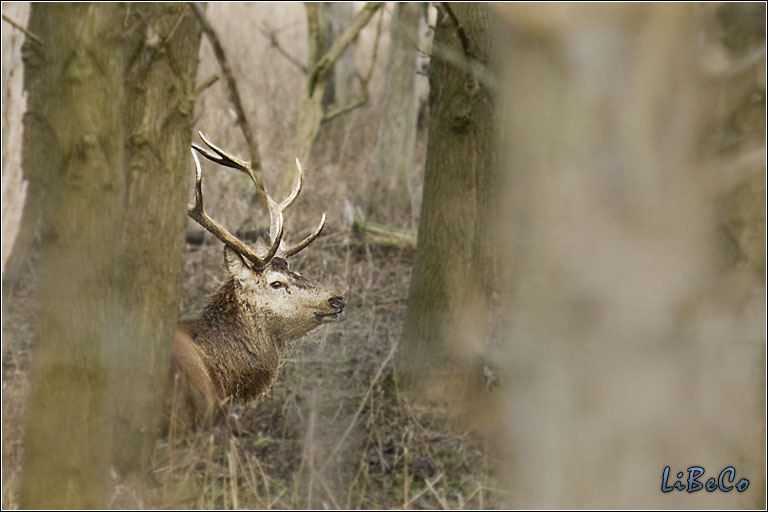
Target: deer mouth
(337,303)
(328,317)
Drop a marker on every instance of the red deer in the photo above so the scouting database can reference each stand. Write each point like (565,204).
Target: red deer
(232,350)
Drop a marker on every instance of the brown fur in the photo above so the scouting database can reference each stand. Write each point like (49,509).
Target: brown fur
(232,350)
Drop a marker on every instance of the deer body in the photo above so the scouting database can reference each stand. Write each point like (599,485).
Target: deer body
(231,352)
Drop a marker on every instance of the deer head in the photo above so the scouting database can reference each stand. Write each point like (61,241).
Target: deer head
(289,303)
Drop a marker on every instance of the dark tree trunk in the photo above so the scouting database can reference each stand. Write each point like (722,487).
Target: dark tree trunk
(450,285)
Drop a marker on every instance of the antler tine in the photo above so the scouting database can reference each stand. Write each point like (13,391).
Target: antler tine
(301,245)
(223,158)
(278,237)
(197,214)
(288,201)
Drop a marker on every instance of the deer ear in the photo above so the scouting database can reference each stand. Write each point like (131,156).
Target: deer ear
(236,265)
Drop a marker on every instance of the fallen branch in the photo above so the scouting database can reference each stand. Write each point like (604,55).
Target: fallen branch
(386,236)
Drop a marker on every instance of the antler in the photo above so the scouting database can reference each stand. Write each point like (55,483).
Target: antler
(301,245)
(197,213)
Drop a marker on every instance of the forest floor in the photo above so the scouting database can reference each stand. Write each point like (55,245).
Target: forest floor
(334,432)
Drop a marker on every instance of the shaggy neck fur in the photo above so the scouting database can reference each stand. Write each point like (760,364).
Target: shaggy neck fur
(241,356)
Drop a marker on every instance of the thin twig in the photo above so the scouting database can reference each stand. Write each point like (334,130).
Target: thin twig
(406,478)
(436,495)
(26,32)
(234,93)
(459,28)
(205,85)
(407,34)
(362,100)
(326,488)
(423,491)
(232,465)
(309,449)
(274,43)
(360,407)
(175,26)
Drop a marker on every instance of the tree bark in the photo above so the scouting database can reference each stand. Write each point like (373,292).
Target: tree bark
(160,99)
(106,143)
(396,144)
(449,288)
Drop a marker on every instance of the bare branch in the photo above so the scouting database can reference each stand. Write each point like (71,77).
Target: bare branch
(175,26)
(364,81)
(205,85)
(325,63)
(26,32)
(459,28)
(274,43)
(361,100)
(234,93)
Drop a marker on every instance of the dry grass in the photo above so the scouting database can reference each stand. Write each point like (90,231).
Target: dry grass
(335,431)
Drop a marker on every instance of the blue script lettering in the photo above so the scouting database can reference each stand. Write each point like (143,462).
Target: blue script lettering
(694,472)
(724,482)
(730,470)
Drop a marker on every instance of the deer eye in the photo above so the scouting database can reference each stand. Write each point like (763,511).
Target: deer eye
(276,284)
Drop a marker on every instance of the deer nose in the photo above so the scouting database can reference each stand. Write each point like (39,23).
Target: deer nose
(337,303)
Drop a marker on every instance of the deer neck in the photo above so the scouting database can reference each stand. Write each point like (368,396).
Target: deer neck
(241,354)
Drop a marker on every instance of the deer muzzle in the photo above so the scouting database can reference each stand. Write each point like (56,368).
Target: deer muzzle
(337,304)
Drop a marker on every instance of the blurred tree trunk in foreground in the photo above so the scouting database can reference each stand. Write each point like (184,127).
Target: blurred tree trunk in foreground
(396,144)
(631,343)
(447,305)
(159,107)
(106,146)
